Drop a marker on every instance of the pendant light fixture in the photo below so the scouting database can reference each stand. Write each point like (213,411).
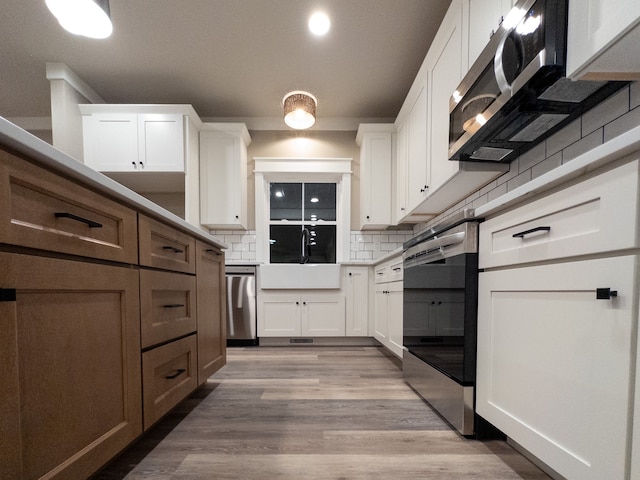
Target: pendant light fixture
(89,18)
(299,109)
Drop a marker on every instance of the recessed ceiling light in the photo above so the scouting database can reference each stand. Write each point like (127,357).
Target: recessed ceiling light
(315,200)
(319,23)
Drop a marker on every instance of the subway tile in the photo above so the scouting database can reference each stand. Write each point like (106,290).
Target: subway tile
(497,192)
(565,137)
(521,179)
(481,200)
(532,157)
(622,124)
(546,165)
(607,111)
(585,144)
(396,238)
(364,256)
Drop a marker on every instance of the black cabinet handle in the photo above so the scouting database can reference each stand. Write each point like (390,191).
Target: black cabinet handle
(173,305)
(211,250)
(179,372)
(605,293)
(533,230)
(173,249)
(91,223)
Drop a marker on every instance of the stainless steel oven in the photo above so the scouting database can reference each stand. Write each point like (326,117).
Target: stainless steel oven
(440,317)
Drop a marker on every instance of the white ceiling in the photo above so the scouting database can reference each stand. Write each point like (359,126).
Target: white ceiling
(227,58)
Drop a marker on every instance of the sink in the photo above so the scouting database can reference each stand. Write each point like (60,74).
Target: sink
(297,276)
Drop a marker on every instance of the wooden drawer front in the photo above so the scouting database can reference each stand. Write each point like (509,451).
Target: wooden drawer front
(169,374)
(167,306)
(165,247)
(47,212)
(381,274)
(389,271)
(593,216)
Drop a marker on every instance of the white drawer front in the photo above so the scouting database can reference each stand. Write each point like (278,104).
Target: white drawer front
(597,215)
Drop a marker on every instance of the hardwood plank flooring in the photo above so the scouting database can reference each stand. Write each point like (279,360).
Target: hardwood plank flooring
(317,413)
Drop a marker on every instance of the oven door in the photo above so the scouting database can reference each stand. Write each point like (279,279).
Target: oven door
(440,311)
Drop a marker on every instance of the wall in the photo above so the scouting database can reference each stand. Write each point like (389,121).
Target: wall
(614,116)
(320,144)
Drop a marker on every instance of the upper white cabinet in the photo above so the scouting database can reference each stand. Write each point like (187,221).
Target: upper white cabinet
(223,175)
(376,143)
(135,138)
(432,182)
(486,17)
(603,40)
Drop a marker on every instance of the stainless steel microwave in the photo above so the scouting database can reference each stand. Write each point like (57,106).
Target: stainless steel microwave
(516,94)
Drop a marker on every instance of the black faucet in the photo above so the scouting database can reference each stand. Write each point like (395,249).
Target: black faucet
(305,245)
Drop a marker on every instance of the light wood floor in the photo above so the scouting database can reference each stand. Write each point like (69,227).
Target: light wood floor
(316,413)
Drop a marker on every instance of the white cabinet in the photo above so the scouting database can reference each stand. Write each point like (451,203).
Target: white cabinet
(356,291)
(130,142)
(387,319)
(314,314)
(376,158)
(487,16)
(554,363)
(556,356)
(603,39)
(433,183)
(223,175)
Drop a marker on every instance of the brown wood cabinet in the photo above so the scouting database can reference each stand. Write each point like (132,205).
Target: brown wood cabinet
(211,308)
(71,361)
(105,321)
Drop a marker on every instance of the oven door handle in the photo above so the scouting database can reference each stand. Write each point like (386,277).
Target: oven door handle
(435,244)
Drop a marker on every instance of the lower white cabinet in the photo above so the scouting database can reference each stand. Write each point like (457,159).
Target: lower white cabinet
(387,324)
(289,314)
(555,363)
(356,291)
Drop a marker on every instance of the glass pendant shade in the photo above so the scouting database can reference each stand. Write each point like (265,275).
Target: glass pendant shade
(299,109)
(89,18)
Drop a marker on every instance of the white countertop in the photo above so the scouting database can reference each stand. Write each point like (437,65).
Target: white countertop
(621,146)
(49,157)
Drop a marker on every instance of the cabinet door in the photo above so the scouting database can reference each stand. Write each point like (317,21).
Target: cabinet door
(447,69)
(594,25)
(161,142)
(375,182)
(418,184)
(394,317)
(279,315)
(402,162)
(357,301)
(71,366)
(554,363)
(485,15)
(211,311)
(323,315)
(223,180)
(111,142)
(380,329)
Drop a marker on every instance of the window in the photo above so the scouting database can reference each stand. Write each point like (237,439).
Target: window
(302,222)
(303,209)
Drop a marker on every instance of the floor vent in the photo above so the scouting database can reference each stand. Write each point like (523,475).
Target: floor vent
(301,340)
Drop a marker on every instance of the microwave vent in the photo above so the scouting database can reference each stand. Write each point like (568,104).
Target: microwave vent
(490,154)
(541,125)
(566,90)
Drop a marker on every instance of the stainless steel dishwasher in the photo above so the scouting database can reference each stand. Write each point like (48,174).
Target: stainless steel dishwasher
(241,305)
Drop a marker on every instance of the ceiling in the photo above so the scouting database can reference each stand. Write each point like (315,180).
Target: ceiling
(228,58)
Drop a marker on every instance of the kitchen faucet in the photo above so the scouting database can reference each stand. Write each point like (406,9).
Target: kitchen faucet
(305,245)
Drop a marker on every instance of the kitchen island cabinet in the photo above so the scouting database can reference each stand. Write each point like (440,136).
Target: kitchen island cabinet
(89,297)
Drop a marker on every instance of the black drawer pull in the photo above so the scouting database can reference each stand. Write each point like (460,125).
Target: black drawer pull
(179,372)
(173,305)
(173,249)
(527,232)
(605,293)
(211,250)
(91,223)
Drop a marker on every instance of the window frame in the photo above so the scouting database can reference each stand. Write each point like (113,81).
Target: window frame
(303,170)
